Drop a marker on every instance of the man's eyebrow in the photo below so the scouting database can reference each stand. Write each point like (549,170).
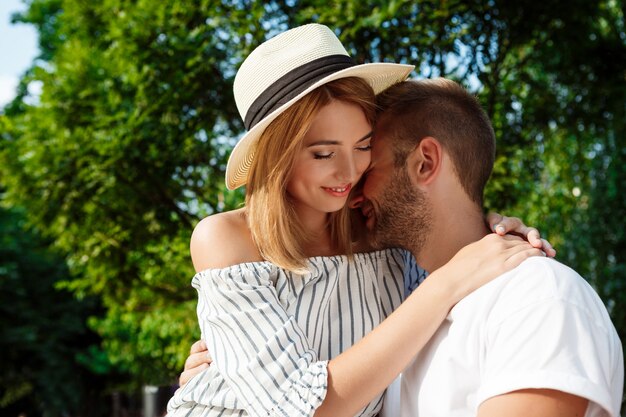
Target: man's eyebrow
(334,142)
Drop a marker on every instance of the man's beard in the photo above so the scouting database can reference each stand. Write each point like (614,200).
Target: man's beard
(403,216)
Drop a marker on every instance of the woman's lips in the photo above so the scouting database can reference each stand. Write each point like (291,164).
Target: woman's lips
(341,191)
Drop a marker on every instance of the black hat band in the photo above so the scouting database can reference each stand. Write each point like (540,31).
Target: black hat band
(293,83)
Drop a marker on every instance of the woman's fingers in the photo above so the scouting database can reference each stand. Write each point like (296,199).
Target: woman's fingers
(532,235)
(512,250)
(509,225)
(518,254)
(503,225)
(548,249)
(494,219)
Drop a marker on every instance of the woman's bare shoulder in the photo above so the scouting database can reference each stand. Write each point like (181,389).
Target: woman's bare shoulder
(222,240)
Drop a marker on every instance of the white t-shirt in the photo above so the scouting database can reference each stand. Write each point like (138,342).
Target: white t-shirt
(538,326)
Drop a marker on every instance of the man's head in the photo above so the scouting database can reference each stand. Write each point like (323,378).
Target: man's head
(433,146)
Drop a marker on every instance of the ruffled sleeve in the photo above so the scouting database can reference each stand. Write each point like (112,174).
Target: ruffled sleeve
(259,350)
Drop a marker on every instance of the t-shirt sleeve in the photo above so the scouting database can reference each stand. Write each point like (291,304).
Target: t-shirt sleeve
(553,343)
(258,349)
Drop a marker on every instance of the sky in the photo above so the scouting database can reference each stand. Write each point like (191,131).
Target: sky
(18,48)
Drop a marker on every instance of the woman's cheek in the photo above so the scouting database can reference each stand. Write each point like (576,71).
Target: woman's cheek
(363,163)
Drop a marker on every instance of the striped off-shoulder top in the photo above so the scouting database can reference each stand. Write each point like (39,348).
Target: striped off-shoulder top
(271,332)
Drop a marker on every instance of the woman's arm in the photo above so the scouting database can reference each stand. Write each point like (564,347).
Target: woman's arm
(367,368)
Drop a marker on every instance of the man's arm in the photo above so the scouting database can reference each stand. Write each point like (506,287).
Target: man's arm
(534,402)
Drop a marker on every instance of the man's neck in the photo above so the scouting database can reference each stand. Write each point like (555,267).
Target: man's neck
(452,229)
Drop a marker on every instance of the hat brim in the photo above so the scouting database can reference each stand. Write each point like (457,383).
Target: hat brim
(378,75)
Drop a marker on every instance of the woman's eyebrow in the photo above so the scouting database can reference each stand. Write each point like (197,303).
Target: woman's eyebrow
(369,135)
(334,142)
(323,142)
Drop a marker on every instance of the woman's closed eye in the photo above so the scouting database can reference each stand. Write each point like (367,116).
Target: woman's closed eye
(323,155)
(330,154)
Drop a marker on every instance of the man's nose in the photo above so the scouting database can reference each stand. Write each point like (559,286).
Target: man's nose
(356,201)
(356,197)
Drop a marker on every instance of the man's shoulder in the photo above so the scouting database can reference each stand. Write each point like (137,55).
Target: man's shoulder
(536,279)
(545,276)
(539,281)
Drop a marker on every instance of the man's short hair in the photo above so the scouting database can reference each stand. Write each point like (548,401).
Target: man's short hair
(442,109)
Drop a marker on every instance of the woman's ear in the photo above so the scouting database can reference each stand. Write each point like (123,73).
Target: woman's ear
(424,162)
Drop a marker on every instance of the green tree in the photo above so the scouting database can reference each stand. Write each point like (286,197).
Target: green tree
(123,153)
(50,360)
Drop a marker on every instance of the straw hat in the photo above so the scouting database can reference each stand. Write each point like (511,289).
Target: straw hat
(281,71)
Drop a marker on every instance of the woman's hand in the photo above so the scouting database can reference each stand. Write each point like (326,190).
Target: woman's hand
(482,261)
(502,225)
(198,360)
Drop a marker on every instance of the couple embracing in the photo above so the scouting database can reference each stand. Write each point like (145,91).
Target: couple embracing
(311,300)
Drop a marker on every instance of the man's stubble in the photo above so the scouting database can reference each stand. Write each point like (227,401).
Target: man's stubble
(403,215)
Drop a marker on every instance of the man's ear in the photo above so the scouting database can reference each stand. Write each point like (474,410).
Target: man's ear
(424,162)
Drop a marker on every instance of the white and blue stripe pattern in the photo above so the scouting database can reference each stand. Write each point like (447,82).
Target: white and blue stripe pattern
(271,332)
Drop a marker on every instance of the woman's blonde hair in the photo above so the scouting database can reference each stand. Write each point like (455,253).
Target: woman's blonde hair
(274,224)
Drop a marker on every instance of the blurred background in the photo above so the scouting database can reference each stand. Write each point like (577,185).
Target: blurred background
(115,135)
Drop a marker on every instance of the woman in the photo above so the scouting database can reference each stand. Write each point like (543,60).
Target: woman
(297,313)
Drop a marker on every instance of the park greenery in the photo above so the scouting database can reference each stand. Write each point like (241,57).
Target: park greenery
(105,173)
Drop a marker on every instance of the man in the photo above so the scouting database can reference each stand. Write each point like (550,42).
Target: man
(536,341)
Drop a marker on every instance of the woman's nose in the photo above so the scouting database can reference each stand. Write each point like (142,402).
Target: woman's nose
(347,169)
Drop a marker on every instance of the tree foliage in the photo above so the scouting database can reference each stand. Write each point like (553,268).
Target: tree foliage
(125,148)
(50,360)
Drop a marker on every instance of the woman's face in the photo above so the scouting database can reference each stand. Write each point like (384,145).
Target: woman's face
(334,156)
